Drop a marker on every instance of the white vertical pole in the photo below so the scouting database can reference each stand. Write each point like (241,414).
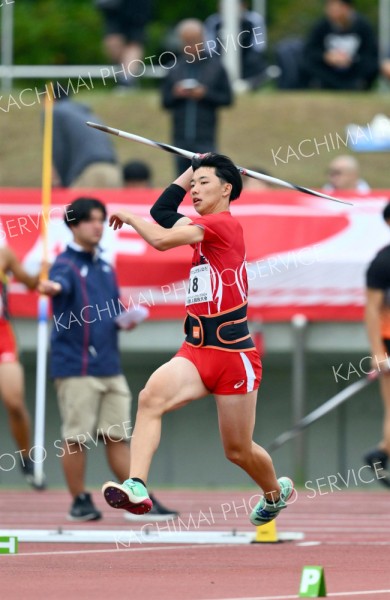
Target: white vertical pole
(7,42)
(384,37)
(260,6)
(230,12)
(299,324)
(384,28)
(40,406)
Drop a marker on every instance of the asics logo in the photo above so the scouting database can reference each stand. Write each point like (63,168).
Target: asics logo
(239,384)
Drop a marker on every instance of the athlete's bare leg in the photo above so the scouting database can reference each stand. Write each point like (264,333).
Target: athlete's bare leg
(132,55)
(74,462)
(114,44)
(127,54)
(236,415)
(384,382)
(174,384)
(117,453)
(12,393)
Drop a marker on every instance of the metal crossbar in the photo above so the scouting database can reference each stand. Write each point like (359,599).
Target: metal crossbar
(10,72)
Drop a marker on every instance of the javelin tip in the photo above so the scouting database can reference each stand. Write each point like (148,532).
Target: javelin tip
(102,127)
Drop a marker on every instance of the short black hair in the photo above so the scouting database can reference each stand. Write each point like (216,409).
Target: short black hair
(136,170)
(386,212)
(80,210)
(225,170)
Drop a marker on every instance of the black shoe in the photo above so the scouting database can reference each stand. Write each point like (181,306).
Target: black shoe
(377,460)
(159,512)
(27,466)
(83,509)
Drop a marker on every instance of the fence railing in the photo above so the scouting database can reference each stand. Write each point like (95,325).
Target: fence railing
(9,73)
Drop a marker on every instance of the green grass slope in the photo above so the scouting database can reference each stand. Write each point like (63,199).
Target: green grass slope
(268,129)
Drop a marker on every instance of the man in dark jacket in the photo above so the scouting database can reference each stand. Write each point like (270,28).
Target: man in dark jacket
(193,91)
(82,157)
(93,395)
(341,51)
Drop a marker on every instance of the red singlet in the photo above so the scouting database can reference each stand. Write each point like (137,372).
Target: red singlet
(218,278)
(218,282)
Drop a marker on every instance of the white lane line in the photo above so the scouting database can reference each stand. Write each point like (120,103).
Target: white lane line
(291,597)
(309,543)
(110,550)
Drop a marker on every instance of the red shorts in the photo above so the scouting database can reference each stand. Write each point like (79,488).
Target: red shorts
(8,349)
(223,372)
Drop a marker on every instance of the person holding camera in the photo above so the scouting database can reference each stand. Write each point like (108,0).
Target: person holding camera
(194,88)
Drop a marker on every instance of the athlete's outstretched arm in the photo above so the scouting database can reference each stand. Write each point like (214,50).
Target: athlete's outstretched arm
(16,268)
(157,236)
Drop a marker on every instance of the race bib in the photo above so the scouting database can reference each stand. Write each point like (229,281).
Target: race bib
(199,286)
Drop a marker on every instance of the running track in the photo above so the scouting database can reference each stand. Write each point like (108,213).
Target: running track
(348,533)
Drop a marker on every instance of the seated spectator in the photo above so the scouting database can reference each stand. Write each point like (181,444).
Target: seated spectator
(343,174)
(252,40)
(137,174)
(124,35)
(82,157)
(289,57)
(341,51)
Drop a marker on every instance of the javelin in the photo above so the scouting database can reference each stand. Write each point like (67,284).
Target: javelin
(322,410)
(190,155)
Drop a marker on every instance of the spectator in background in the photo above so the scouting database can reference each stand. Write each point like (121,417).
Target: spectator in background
(343,174)
(377,319)
(82,157)
(124,35)
(341,51)
(251,43)
(385,67)
(289,57)
(11,371)
(249,183)
(93,395)
(137,174)
(193,90)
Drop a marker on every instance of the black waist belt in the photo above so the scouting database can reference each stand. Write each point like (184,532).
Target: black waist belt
(228,330)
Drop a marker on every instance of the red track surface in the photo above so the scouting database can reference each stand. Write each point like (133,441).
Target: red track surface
(348,533)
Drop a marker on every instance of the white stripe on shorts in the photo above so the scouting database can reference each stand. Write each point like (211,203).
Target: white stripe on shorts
(250,374)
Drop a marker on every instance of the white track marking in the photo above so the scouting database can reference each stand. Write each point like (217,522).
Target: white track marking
(110,550)
(291,597)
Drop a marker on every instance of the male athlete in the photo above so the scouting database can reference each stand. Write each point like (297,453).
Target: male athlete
(11,370)
(218,355)
(377,318)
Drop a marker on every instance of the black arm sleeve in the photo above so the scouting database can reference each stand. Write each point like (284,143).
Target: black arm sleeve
(164,210)
(378,272)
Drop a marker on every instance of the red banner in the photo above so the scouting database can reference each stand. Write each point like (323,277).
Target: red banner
(305,254)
